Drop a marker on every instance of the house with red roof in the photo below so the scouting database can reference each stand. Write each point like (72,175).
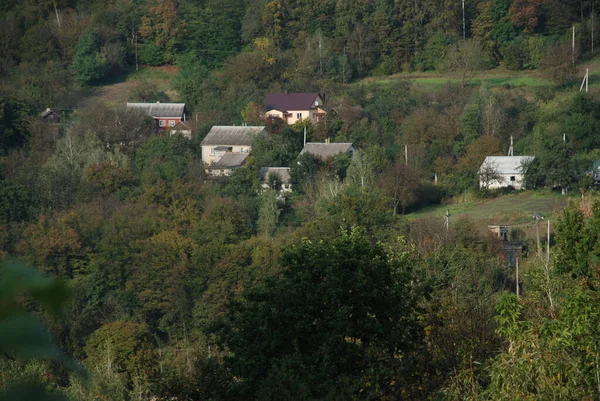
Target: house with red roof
(294,107)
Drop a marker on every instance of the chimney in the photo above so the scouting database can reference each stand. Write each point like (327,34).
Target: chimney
(158,101)
(327,141)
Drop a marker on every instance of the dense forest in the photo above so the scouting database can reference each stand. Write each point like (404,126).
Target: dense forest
(127,274)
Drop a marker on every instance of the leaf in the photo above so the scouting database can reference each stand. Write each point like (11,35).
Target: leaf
(22,336)
(17,279)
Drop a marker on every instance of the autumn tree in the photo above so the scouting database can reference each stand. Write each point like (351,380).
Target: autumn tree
(525,14)
(162,27)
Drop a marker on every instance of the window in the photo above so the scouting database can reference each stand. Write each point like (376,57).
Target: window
(299,116)
(171,123)
(162,123)
(212,151)
(244,150)
(512,178)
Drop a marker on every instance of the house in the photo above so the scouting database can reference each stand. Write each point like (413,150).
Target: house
(227,147)
(325,150)
(294,107)
(52,116)
(503,171)
(166,115)
(278,178)
(182,127)
(226,164)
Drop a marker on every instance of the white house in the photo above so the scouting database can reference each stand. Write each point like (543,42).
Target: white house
(504,171)
(227,147)
(294,107)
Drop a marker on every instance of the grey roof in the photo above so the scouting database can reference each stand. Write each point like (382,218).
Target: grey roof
(506,164)
(230,160)
(232,135)
(159,109)
(327,150)
(49,111)
(282,172)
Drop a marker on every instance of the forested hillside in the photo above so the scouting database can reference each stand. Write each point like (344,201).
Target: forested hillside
(178,286)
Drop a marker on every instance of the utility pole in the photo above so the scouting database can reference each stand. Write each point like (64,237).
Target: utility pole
(573,46)
(537,217)
(585,80)
(304,136)
(406,155)
(548,245)
(517,276)
(464,25)
(592,27)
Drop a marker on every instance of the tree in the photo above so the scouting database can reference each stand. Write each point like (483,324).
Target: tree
(340,312)
(163,26)
(402,184)
(90,63)
(557,64)
(488,174)
(268,214)
(525,13)
(464,59)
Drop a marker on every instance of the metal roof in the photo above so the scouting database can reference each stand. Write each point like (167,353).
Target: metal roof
(290,101)
(232,135)
(326,150)
(506,164)
(158,109)
(282,172)
(230,160)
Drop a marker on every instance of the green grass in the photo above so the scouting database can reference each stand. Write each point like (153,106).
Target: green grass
(439,80)
(514,209)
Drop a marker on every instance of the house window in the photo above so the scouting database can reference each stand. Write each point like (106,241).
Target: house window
(512,178)
(299,116)
(212,151)
(244,150)
(162,123)
(171,123)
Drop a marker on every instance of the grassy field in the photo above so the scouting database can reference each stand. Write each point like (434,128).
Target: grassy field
(515,210)
(118,90)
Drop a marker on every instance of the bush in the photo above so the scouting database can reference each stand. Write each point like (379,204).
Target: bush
(513,55)
(150,54)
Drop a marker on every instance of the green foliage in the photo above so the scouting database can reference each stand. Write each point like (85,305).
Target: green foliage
(356,300)
(89,63)
(127,345)
(164,157)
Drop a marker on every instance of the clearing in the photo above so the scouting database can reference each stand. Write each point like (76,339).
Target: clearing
(515,210)
(118,90)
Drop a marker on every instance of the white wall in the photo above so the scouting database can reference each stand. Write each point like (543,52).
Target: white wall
(518,183)
(209,158)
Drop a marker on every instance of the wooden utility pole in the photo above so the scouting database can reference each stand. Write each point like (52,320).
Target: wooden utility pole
(406,155)
(517,275)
